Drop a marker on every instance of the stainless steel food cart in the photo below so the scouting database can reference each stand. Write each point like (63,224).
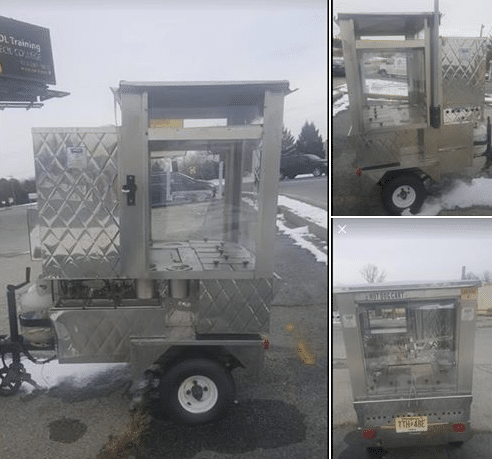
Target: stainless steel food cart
(416,104)
(410,352)
(182,287)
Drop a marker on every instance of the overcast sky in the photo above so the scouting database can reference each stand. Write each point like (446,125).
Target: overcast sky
(460,18)
(96,44)
(411,248)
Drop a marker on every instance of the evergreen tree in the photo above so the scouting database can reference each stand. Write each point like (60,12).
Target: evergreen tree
(310,142)
(15,192)
(288,143)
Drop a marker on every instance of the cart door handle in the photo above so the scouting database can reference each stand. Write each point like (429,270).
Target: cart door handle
(130,189)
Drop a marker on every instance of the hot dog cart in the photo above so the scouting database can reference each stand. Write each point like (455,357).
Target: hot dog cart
(180,283)
(416,104)
(410,352)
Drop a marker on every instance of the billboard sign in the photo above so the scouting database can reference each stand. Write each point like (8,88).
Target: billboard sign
(25,52)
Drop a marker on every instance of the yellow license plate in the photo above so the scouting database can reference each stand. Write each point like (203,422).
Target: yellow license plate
(411,424)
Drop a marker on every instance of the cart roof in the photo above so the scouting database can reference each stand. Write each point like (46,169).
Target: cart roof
(410,285)
(197,94)
(386,23)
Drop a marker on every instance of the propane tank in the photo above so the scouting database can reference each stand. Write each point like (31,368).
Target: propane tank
(34,320)
(37,298)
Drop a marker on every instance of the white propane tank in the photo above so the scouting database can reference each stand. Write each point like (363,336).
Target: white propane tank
(37,298)
(34,321)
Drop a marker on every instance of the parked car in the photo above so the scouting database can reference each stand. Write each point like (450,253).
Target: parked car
(394,67)
(291,166)
(182,189)
(338,67)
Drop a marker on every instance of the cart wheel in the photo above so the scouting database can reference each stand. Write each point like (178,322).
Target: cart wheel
(317,172)
(196,391)
(403,192)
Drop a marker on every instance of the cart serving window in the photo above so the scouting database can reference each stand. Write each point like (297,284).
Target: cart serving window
(409,347)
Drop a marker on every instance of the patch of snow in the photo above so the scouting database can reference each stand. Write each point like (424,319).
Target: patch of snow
(381,86)
(476,193)
(340,105)
(341,88)
(311,213)
(53,373)
(300,235)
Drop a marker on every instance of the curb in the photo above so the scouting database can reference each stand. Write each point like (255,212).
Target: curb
(292,218)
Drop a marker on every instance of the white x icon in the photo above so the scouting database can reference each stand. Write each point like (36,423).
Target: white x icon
(342,229)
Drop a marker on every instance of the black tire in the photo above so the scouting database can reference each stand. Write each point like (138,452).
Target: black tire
(405,191)
(383,72)
(196,391)
(292,176)
(317,172)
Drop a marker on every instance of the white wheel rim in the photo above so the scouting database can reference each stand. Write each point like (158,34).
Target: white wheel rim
(404,196)
(198,394)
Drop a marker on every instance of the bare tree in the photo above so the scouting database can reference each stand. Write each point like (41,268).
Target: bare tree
(471,276)
(487,276)
(372,274)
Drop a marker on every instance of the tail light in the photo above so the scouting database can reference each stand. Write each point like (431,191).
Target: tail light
(459,427)
(369,433)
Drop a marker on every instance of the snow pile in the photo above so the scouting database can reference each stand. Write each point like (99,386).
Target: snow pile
(52,374)
(476,193)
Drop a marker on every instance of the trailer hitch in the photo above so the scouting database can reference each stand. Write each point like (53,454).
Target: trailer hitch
(13,373)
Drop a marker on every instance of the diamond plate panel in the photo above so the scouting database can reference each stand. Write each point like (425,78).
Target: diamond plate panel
(381,148)
(78,202)
(89,335)
(234,306)
(463,79)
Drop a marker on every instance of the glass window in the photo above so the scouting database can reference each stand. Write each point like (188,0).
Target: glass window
(204,207)
(409,346)
(393,87)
